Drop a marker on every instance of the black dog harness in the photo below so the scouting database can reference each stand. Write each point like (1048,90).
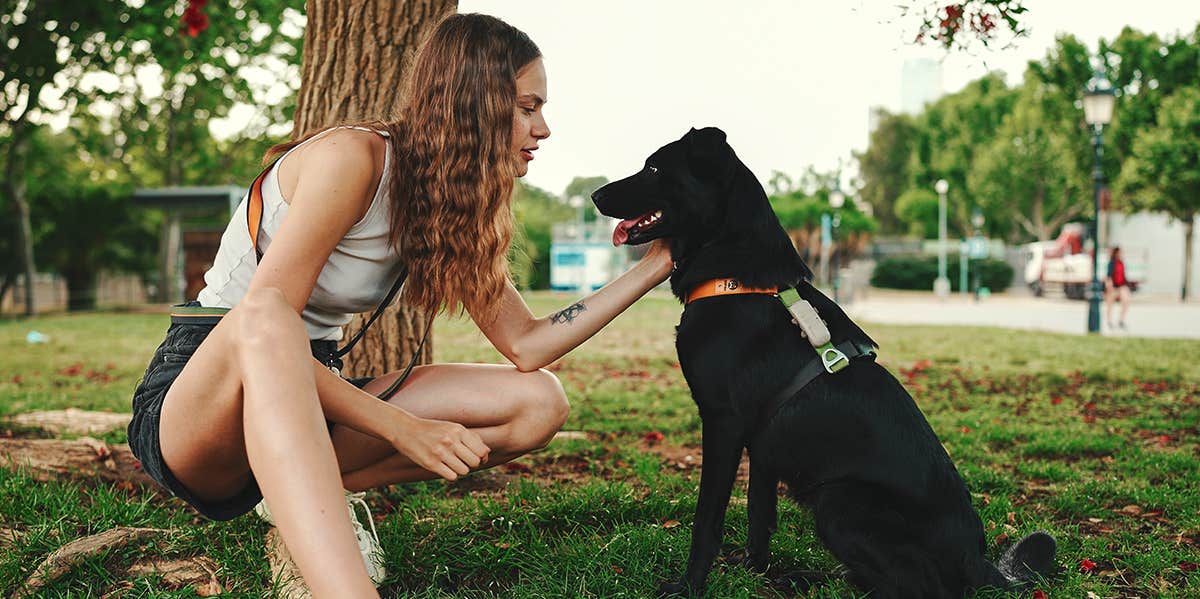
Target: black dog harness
(831,357)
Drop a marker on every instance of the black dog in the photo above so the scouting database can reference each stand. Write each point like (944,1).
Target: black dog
(851,445)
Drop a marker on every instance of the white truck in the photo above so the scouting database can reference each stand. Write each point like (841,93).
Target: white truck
(1064,264)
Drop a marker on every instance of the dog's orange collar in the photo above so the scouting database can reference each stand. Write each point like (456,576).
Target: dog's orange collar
(725,287)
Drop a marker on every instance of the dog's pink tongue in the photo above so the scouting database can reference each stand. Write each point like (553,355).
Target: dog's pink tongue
(621,233)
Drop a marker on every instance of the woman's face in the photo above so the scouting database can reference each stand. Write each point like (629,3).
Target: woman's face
(529,124)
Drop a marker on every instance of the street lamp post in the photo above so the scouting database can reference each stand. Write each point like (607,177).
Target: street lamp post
(1098,100)
(941,287)
(977,220)
(836,200)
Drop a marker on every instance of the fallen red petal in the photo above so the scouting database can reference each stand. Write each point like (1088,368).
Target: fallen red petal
(653,436)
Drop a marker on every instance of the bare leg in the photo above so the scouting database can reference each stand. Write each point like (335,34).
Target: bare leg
(1108,300)
(1126,297)
(247,400)
(513,412)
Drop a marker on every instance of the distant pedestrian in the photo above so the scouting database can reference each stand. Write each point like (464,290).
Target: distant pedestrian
(1116,287)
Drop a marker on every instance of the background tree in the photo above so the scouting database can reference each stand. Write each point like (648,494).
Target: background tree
(536,212)
(918,209)
(961,24)
(1161,172)
(83,219)
(949,135)
(1030,174)
(55,50)
(883,167)
(344,43)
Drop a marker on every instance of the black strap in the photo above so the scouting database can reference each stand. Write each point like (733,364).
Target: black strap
(808,374)
(384,304)
(395,386)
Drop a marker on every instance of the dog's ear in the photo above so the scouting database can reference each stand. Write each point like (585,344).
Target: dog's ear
(709,151)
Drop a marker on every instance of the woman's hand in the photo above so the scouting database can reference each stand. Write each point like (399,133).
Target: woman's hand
(447,449)
(658,256)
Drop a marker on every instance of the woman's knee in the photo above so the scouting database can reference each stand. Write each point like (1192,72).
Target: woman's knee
(546,406)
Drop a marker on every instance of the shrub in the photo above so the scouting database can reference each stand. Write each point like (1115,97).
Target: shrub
(919,272)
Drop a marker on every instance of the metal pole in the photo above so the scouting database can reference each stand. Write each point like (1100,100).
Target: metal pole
(963,258)
(836,221)
(941,287)
(1097,290)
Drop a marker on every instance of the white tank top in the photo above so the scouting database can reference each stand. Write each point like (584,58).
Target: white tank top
(357,276)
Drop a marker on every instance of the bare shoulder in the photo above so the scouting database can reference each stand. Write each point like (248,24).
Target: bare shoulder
(347,158)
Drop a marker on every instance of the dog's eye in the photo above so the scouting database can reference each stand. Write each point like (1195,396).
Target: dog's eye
(653,169)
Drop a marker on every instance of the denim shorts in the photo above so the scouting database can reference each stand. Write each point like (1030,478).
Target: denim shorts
(182,340)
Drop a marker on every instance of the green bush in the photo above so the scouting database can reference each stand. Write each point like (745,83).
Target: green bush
(919,272)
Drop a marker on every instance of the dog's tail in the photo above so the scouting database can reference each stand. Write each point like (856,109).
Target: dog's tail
(1027,561)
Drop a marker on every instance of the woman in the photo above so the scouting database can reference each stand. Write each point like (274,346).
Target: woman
(235,411)
(1116,286)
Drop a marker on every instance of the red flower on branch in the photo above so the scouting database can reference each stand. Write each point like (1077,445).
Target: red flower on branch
(194,20)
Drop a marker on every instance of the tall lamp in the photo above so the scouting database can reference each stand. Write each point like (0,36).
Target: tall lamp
(1099,99)
(836,200)
(941,287)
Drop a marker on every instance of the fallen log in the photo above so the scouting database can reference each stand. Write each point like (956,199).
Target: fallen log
(199,573)
(68,556)
(49,459)
(72,421)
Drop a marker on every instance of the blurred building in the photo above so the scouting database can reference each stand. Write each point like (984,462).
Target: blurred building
(582,256)
(920,83)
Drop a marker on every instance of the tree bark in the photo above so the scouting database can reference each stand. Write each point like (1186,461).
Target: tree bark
(356,55)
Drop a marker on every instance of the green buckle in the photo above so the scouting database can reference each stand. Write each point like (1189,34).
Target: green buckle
(832,358)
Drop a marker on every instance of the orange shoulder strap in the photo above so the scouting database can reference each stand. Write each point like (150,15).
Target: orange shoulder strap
(254,209)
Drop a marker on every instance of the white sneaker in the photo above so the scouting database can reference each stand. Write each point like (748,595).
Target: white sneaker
(368,543)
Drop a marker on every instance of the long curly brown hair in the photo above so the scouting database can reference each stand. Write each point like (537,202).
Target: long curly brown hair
(451,178)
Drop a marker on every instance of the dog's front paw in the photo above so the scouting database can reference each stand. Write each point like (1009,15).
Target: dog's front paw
(758,563)
(672,589)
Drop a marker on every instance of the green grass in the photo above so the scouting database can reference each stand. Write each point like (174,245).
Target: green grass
(1050,431)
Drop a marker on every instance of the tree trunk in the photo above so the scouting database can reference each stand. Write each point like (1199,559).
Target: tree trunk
(81,289)
(356,55)
(1188,228)
(14,188)
(5,284)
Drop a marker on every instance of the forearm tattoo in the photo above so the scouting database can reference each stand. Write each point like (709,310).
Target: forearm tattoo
(567,315)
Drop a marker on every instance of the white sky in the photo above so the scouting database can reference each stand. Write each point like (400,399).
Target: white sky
(791,82)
